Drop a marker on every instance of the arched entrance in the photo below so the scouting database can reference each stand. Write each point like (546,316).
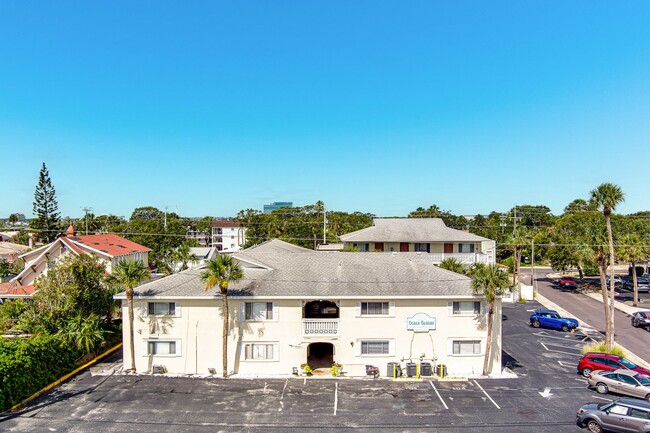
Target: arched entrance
(320,355)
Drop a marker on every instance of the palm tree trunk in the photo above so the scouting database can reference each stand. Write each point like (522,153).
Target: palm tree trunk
(602,270)
(611,279)
(129,297)
(224,298)
(488,343)
(635,285)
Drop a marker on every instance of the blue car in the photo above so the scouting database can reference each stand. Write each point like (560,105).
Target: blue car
(551,319)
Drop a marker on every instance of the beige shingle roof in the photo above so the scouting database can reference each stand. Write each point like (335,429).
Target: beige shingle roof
(410,230)
(286,270)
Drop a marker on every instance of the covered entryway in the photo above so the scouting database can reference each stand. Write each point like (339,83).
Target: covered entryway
(320,355)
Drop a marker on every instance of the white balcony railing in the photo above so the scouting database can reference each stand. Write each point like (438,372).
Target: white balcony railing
(466,258)
(320,327)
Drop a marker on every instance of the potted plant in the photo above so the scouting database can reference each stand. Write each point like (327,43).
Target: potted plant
(336,369)
(306,369)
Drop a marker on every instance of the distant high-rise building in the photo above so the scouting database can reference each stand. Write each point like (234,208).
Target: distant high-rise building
(268,208)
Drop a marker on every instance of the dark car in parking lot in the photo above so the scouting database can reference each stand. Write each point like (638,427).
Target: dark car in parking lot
(603,361)
(642,284)
(622,415)
(552,319)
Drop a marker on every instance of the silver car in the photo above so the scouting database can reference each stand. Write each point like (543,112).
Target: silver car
(641,319)
(621,381)
(622,415)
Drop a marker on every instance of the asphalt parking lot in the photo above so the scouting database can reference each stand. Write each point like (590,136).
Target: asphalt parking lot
(544,397)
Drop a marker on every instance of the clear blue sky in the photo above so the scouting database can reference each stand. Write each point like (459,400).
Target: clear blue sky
(212,107)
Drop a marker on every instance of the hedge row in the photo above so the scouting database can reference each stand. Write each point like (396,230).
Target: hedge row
(29,364)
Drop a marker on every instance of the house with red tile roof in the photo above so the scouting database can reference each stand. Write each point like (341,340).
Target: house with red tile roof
(110,248)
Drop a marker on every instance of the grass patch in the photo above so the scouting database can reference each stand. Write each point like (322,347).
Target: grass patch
(601,347)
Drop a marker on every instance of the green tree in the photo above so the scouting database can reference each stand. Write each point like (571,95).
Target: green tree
(75,285)
(632,249)
(157,230)
(607,196)
(453,265)
(491,283)
(220,272)
(13,219)
(83,332)
(129,274)
(45,207)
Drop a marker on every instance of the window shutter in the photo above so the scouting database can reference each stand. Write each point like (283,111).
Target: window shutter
(242,311)
(146,347)
(484,308)
(177,309)
(357,309)
(276,314)
(276,351)
(179,351)
(391,309)
(450,308)
(450,347)
(143,311)
(357,348)
(391,347)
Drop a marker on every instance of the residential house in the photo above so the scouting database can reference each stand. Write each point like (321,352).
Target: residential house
(424,235)
(10,251)
(109,248)
(297,306)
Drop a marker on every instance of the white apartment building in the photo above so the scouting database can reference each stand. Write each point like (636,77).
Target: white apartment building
(228,236)
(297,306)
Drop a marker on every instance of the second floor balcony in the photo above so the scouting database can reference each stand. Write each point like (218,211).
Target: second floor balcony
(320,327)
(464,258)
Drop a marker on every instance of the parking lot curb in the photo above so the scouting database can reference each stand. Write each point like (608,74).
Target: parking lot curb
(64,378)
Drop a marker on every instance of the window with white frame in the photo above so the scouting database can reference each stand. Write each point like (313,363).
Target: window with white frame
(466,308)
(375,347)
(163,348)
(375,308)
(466,347)
(259,311)
(260,351)
(465,248)
(362,247)
(161,308)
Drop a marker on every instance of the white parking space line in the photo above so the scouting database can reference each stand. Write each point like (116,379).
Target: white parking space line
(439,396)
(558,351)
(603,398)
(336,397)
(487,395)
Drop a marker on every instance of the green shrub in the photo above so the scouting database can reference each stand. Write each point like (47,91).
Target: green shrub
(601,347)
(590,270)
(509,262)
(29,364)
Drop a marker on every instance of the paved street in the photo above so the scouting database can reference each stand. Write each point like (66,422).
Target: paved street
(544,360)
(591,312)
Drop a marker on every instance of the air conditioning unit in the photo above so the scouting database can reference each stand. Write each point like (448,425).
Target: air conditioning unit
(158,369)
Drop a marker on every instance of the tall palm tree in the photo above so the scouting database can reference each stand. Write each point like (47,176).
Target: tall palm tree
(489,282)
(184,256)
(607,196)
(129,274)
(221,271)
(633,250)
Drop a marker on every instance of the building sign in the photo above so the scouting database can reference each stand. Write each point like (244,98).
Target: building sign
(421,322)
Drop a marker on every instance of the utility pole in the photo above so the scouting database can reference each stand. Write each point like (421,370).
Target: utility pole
(86,210)
(532,276)
(514,227)
(165,221)
(324,225)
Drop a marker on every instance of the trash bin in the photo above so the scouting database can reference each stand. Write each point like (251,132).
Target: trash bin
(411,369)
(441,370)
(394,369)
(425,369)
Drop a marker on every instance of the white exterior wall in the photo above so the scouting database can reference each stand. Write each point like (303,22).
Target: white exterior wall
(232,238)
(197,331)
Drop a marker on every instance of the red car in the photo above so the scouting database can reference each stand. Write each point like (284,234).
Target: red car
(602,361)
(568,282)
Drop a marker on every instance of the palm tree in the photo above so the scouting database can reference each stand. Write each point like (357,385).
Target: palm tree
(453,265)
(489,282)
(607,196)
(129,274)
(184,256)
(633,250)
(221,271)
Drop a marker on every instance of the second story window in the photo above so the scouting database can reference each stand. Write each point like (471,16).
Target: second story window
(161,308)
(374,309)
(465,248)
(260,311)
(466,308)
